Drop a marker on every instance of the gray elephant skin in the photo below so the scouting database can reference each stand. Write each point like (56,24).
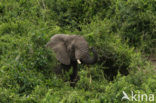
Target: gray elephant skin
(71,50)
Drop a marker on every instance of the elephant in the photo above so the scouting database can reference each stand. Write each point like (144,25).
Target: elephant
(71,50)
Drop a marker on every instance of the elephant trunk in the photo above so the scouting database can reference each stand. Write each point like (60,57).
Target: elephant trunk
(89,59)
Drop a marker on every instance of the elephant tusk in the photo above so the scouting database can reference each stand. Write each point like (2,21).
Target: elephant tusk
(78,61)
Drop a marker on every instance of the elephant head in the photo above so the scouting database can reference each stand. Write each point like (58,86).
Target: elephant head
(70,48)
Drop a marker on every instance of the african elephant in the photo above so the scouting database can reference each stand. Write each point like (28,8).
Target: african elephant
(70,50)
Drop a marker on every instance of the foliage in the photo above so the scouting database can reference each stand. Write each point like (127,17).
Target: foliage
(72,13)
(116,28)
(136,23)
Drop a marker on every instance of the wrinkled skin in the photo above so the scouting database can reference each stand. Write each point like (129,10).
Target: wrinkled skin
(70,50)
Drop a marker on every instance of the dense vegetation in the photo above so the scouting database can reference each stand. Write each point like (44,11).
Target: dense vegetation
(122,31)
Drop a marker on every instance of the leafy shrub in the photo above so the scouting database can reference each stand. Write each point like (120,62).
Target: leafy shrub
(136,22)
(26,66)
(72,13)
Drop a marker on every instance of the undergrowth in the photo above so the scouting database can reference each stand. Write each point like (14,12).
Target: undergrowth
(121,31)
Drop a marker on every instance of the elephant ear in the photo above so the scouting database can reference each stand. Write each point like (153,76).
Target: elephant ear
(61,53)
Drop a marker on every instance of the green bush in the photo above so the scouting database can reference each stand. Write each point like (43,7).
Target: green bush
(115,28)
(136,22)
(72,13)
